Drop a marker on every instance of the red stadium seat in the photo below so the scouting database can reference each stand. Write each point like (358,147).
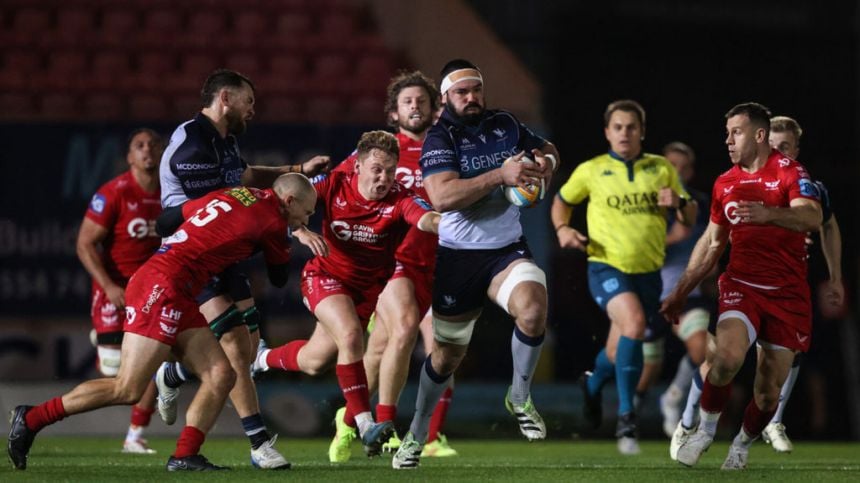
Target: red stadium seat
(203,28)
(75,25)
(281,109)
(29,27)
(247,63)
(59,107)
(331,73)
(103,107)
(120,27)
(147,107)
(16,107)
(325,110)
(161,28)
(108,67)
(288,75)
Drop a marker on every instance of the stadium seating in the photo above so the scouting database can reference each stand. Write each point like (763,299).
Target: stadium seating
(311,60)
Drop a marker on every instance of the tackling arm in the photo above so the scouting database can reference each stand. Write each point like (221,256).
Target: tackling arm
(429,222)
(263,176)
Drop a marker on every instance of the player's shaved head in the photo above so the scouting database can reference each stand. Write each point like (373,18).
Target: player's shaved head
(294,184)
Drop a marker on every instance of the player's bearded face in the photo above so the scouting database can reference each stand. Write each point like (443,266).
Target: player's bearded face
(376,174)
(240,110)
(414,113)
(466,100)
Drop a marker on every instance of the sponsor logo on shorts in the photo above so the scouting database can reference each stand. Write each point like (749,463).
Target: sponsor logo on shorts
(801,338)
(170,314)
(167,330)
(153,297)
(130,314)
(732,301)
(610,285)
(108,314)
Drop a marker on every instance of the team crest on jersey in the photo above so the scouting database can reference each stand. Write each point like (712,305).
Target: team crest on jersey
(771,185)
(607,172)
(808,188)
(97,204)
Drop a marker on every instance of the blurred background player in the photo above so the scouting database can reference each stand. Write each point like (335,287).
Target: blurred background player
(162,316)
(479,229)
(117,236)
(692,328)
(366,215)
(203,155)
(630,192)
(785,134)
(765,203)
(412,100)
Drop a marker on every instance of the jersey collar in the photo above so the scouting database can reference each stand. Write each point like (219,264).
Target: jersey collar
(614,155)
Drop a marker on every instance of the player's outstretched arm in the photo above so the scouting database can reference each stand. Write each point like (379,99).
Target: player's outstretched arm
(312,240)
(90,238)
(705,256)
(264,176)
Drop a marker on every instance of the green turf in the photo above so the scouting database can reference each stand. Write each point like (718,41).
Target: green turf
(98,459)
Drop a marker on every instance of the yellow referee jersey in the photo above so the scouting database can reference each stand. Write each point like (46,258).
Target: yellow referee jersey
(626,228)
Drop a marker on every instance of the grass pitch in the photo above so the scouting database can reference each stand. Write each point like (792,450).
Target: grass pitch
(55,459)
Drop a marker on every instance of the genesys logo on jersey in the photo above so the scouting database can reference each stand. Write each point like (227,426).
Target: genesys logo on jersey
(141,228)
(409,178)
(358,233)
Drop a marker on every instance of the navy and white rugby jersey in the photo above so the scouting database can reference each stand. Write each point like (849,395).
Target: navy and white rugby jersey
(198,160)
(492,222)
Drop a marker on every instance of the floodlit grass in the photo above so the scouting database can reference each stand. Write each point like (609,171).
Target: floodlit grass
(99,459)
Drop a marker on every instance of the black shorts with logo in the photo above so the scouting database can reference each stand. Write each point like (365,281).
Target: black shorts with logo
(463,276)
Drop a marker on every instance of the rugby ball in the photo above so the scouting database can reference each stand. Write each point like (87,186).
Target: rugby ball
(528,196)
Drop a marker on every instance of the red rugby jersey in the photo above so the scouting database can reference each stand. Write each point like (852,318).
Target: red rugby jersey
(362,235)
(765,255)
(220,229)
(129,213)
(418,248)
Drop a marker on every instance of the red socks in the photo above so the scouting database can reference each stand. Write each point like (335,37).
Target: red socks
(755,419)
(385,412)
(715,398)
(189,443)
(140,416)
(286,357)
(353,383)
(439,414)
(49,412)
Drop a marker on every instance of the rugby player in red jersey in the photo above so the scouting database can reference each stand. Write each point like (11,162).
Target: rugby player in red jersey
(222,228)
(117,235)
(765,204)
(404,304)
(366,216)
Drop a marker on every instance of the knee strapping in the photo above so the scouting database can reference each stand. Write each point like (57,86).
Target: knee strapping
(109,359)
(522,272)
(652,351)
(693,321)
(459,333)
(226,321)
(252,318)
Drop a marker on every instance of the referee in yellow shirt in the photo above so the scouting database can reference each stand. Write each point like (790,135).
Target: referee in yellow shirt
(629,193)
